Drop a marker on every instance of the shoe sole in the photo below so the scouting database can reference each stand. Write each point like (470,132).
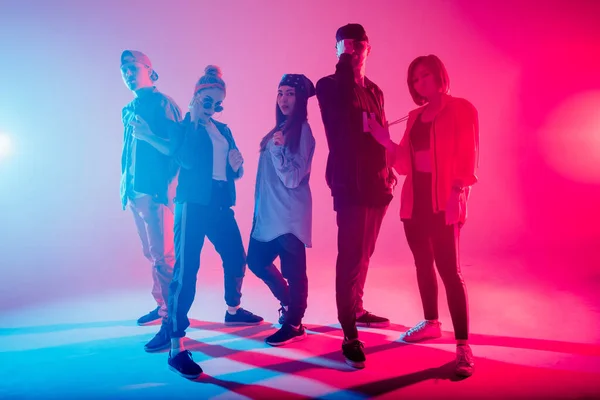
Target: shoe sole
(155,349)
(292,340)
(148,322)
(184,375)
(463,373)
(243,323)
(409,340)
(374,324)
(355,364)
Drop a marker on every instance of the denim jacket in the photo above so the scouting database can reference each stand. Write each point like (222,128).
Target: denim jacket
(152,170)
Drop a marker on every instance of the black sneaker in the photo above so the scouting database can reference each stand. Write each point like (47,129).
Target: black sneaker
(184,365)
(287,334)
(353,351)
(372,321)
(149,318)
(242,317)
(282,315)
(161,341)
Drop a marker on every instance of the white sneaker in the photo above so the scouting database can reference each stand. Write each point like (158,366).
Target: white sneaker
(464,361)
(424,330)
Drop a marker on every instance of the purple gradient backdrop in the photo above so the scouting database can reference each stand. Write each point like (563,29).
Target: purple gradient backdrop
(62,231)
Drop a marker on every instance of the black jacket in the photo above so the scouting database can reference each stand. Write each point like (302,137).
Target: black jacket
(194,153)
(357,167)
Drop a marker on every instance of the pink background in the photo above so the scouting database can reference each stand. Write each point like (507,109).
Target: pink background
(531,72)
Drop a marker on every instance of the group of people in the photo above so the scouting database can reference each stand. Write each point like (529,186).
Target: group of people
(438,154)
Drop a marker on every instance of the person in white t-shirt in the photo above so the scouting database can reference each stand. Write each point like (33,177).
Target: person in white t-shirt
(210,164)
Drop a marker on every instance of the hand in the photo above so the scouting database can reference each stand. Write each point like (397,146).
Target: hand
(381,134)
(456,208)
(278,138)
(345,46)
(235,159)
(141,130)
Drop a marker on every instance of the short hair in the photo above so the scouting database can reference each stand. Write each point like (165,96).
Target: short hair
(436,67)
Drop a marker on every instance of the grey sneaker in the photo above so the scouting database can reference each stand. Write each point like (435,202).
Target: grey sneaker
(424,330)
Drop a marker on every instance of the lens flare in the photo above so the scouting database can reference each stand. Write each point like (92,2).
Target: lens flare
(570,139)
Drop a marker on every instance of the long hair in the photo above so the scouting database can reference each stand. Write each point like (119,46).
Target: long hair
(290,126)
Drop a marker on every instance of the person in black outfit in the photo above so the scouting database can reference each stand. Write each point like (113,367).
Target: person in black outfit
(360,179)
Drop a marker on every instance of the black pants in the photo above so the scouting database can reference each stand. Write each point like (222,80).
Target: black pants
(358,229)
(432,241)
(194,222)
(292,293)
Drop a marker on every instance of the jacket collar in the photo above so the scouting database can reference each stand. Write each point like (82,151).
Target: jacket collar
(145,92)
(446,98)
(222,127)
(188,120)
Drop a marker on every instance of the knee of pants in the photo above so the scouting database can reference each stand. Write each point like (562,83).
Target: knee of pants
(257,269)
(301,281)
(352,256)
(347,280)
(346,306)
(297,276)
(158,260)
(344,290)
(451,278)
(181,282)
(425,270)
(163,269)
(237,270)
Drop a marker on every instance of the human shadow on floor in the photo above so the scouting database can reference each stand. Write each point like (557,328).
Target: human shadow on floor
(383,386)
(252,391)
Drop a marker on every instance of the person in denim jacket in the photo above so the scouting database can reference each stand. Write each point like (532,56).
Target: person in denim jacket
(146,174)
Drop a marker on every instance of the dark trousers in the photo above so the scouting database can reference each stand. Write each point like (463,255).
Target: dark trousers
(358,229)
(194,222)
(290,286)
(435,242)
(432,241)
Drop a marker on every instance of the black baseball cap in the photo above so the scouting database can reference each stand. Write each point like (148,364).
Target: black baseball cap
(351,31)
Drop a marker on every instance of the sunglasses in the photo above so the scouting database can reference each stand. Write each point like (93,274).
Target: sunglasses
(359,45)
(207,104)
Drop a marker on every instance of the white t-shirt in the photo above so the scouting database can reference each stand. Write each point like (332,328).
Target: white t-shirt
(220,152)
